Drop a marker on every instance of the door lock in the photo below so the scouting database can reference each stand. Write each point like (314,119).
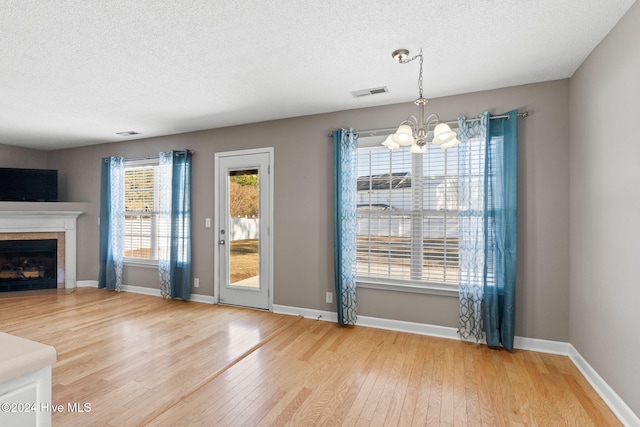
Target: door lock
(221,242)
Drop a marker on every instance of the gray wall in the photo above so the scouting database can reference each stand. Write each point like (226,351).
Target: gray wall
(605,208)
(303,218)
(17,157)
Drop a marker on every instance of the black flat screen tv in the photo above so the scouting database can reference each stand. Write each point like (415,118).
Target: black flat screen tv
(28,185)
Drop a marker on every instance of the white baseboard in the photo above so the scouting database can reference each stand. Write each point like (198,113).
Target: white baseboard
(542,346)
(156,293)
(610,397)
(87,284)
(371,322)
(532,344)
(308,313)
(411,327)
(141,290)
(144,291)
(206,299)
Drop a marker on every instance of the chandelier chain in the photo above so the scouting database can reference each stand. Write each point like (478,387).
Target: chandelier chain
(404,60)
(420,75)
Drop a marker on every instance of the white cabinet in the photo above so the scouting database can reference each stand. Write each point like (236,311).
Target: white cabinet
(25,382)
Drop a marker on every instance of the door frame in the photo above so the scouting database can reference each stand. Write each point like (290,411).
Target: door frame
(216,208)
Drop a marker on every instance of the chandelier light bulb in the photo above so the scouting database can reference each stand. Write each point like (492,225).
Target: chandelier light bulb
(416,149)
(390,143)
(404,136)
(443,134)
(450,144)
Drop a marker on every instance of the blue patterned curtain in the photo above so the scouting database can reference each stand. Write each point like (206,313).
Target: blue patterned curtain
(174,224)
(345,145)
(487,206)
(471,224)
(111,223)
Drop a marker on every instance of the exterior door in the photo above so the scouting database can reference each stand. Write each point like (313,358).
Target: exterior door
(243,228)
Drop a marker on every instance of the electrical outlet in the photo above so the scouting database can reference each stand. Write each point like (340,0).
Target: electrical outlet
(329,297)
(196,283)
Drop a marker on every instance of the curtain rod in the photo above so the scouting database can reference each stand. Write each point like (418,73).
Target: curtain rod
(375,132)
(155,156)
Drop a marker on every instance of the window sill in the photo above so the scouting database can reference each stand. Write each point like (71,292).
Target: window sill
(132,262)
(401,287)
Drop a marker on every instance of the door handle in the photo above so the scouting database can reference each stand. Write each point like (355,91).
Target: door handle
(221,242)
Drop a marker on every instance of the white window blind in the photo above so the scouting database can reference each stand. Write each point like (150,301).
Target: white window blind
(407,216)
(141,205)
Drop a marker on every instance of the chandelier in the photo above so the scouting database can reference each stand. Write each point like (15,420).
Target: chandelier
(419,132)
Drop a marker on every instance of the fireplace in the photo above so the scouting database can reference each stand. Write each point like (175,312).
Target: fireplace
(31,225)
(28,264)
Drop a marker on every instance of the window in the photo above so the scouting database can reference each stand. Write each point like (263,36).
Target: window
(141,208)
(407,216)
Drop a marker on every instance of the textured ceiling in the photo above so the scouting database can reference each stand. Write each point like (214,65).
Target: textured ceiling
(74,73)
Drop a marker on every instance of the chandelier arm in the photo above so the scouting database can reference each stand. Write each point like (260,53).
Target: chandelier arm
(412,121)
(432,119)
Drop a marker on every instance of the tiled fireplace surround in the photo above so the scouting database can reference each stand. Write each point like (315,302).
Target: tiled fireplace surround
(60,225)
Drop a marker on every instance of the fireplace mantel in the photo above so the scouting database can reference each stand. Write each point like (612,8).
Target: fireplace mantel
(32,221)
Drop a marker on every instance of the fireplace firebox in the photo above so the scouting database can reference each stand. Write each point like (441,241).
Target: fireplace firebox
(28,264)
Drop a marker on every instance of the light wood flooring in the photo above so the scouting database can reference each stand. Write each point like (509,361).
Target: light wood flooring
(141,360)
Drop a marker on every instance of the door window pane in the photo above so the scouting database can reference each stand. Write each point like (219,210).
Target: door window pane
(244,228)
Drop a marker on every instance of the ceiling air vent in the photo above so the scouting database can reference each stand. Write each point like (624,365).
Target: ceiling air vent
(128,133)
(367,92)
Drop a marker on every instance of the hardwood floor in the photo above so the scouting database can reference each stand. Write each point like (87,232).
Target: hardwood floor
(142,360)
